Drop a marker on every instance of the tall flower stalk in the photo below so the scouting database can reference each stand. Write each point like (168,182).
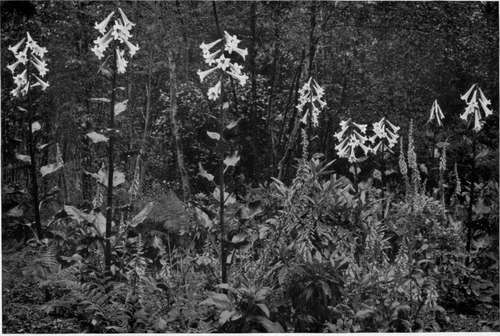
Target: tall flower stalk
(310,98)
(222,69)
(475,112)
(384,139)
(114,38)
(31,67)
(434,124)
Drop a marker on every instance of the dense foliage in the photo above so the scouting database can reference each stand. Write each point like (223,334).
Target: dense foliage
(340,174)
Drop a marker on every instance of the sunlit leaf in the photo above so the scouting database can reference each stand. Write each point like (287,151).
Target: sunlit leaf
(35,127)
(120,107)
(97,137)
(142,215)
(24,158)
(50,168)
(231,161)
(213,135)
(16,211)
(203,173)
(101,100)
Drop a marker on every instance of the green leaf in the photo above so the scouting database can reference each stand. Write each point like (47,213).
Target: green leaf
(203,173)
(97,137)
(101,100)
(213,135)
(142,215)
(269,326)
(231,161)
(16,211)
(225,316)
(264,309)
(120,107)
(35,127)
(50,168)
(24,158)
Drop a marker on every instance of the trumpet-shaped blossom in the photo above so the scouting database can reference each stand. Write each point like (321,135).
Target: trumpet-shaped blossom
(121,62)
(386,135)
(32,54)
(311,93)
(120,32)
(218,60)
(436,113)
(214,92)
(474,106)
(351,137)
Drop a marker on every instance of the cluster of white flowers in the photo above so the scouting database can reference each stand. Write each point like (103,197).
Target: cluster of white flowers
(33,54)
(218,60)
(311,93)
(474,106)
(436,113)
(120,32)
(386,135)
(350,137)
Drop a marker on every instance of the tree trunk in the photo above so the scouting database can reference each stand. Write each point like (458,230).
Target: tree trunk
(175,128)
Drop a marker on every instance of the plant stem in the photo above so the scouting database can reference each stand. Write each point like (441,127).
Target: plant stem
(33,169)
(471,193)
(221,188)
(109,208)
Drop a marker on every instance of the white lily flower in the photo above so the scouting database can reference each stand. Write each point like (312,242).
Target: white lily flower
(385,137)
(132,49)
(231,45)
(16,47)
(129,24)
(204,74)
(351,136)
(40,65)
(214,91)
(21,79)
(41,83)
(484,103)
(121,63)
(436,113)
(120,32)
(236,74)
(206,47)
(223,62)
(101,27)
(465,97)
(312,93)
(474,106)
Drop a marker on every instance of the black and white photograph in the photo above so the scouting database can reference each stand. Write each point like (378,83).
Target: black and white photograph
(249,166)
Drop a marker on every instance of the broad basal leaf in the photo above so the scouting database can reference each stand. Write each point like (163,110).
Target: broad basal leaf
(120,107)
(97,137)
(50,168)
(213,135)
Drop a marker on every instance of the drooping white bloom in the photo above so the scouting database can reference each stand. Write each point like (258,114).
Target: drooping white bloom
(40,65)
(386,135)
(474,107)
(214,91)
(436,113)
(43,85)
(120,32)
(351,137)
(311,93)
(218,60)
(204,74)
(232,45)
(121,62)
(34,54)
